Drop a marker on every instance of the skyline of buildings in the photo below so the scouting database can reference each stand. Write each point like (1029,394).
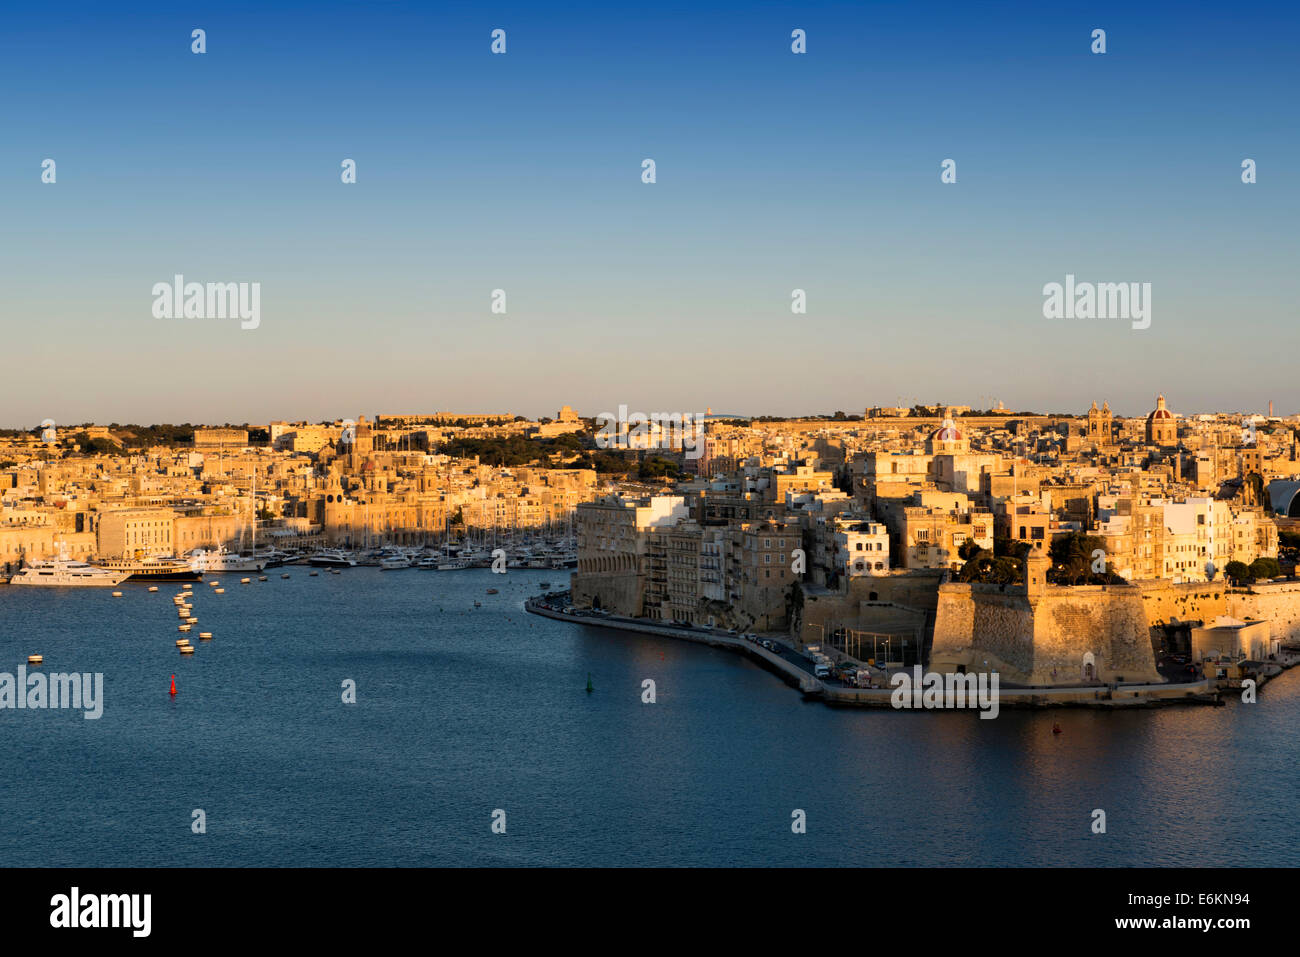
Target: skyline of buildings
(1267,409)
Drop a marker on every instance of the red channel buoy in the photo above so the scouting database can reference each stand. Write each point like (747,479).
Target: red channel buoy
(173,691)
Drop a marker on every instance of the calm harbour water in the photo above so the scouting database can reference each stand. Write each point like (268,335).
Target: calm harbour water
(462,711)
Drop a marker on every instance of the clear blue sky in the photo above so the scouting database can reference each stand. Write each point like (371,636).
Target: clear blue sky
(522,172)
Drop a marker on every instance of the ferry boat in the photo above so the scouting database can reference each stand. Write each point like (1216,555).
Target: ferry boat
(67,574)
(161,568)
(331,558)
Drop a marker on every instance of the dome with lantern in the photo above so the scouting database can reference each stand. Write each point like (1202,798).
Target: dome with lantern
(1162,425)
(947,438)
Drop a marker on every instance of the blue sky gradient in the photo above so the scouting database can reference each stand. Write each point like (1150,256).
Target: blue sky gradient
(522,172)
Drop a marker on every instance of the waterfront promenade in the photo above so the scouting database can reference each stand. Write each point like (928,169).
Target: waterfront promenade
(795,669)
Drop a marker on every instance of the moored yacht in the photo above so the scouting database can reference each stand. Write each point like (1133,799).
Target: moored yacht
(224,561)
(273,557)
(331,558)
(68,574)
(163,568)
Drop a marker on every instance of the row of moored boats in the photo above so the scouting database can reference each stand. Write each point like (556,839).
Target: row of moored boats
(65,572)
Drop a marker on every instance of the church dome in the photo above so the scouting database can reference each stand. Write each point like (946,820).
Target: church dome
(947,432)
(1160,412)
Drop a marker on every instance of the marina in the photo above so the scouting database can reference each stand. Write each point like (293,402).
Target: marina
(259,724)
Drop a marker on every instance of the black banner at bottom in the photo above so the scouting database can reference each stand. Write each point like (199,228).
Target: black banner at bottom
(880,905)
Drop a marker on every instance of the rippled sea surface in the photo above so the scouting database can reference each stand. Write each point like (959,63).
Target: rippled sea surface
(461,711)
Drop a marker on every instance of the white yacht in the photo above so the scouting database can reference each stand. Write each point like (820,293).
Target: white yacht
(224,561)
(69,574)
(331,558)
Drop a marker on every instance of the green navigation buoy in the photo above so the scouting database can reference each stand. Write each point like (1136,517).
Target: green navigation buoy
(590,689)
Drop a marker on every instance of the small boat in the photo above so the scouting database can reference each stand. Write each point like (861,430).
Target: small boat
(261,578)
(284,576)
(492,591)
(187,649)
(182,642)
(153,587)
(35,659)
(117,594)
(1056,728)
(183,627)
(205,636)
(313,574)
(220,591)
(245,581)
(191,621)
